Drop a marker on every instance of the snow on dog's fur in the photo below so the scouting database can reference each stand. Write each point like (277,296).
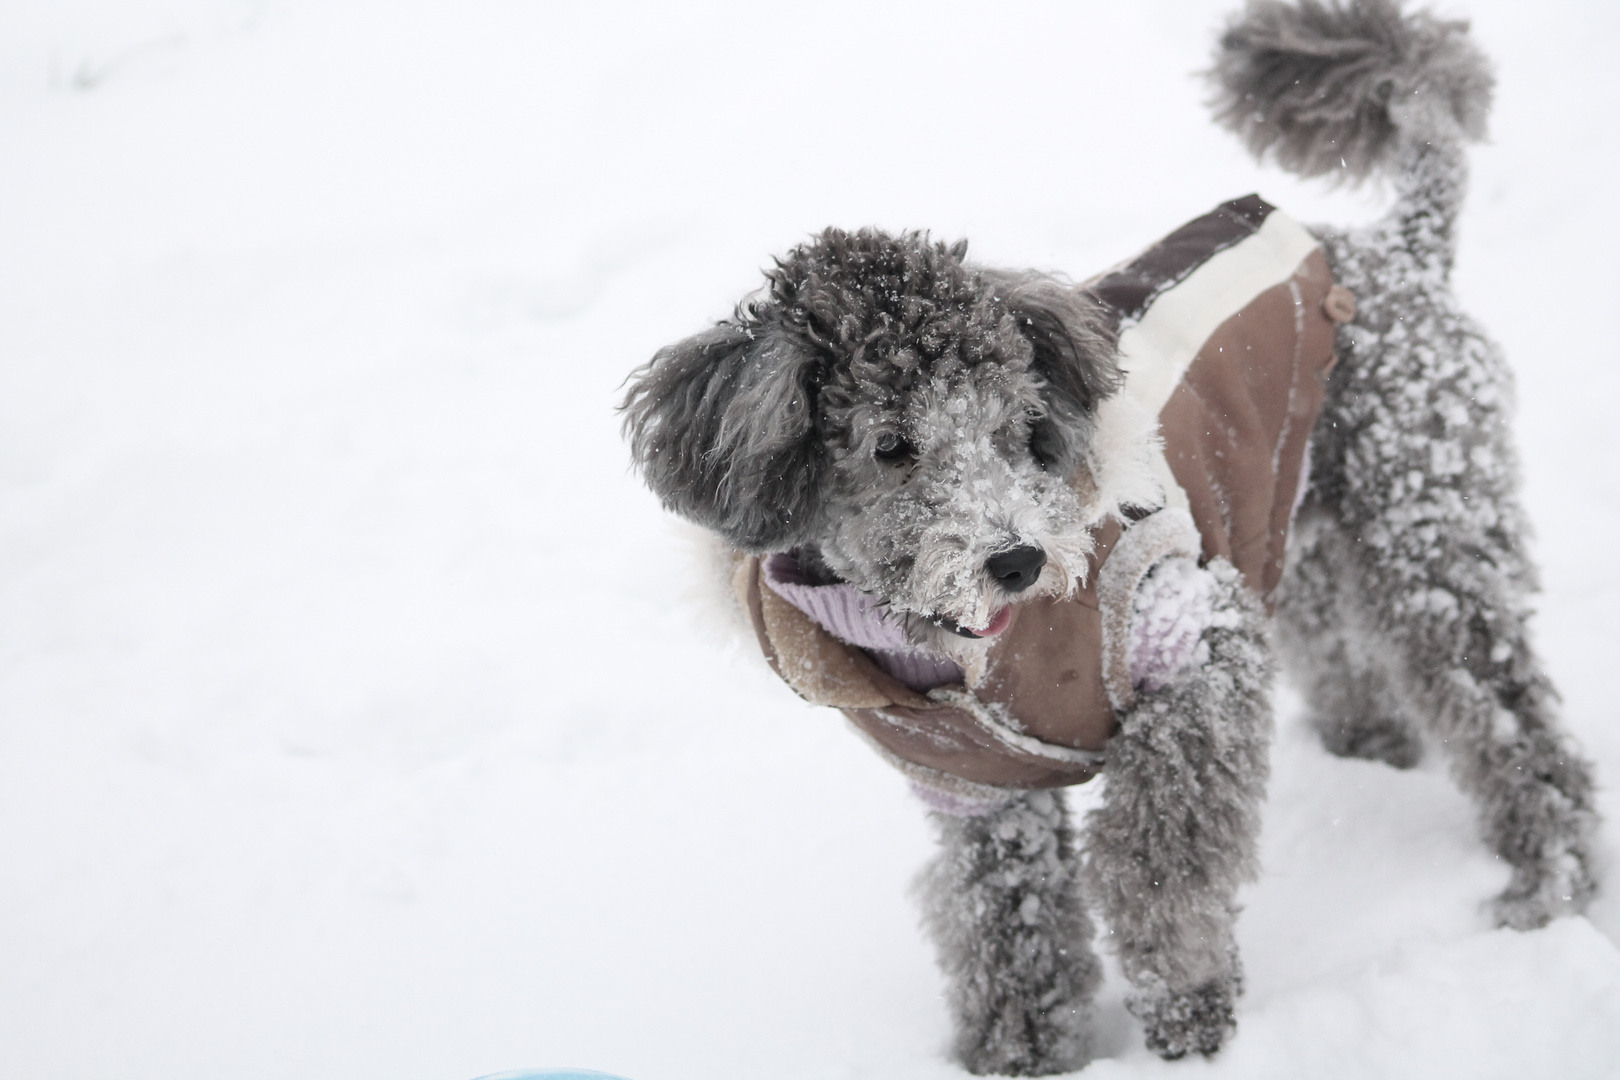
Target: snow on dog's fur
(901,418)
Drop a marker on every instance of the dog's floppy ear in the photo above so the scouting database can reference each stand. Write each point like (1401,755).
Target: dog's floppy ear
(1074,344)
(722,427)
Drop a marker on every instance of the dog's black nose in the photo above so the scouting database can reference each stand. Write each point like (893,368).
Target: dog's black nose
(1016,570)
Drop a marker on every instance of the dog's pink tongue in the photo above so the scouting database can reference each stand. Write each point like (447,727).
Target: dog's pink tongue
(997,624)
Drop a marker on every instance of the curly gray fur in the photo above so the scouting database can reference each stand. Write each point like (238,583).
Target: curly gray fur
(1176,833)
(1328,88)
(1003,907)
(862,407)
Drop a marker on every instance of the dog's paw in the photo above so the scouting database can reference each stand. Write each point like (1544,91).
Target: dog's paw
(1391,741)
(1041,1041)
(1067,1056)
(1199,1020)
(1540,894)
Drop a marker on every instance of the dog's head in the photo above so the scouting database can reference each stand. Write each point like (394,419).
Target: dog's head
(919,426)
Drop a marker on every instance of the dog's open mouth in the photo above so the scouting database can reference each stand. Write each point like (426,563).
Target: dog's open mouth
(998,622)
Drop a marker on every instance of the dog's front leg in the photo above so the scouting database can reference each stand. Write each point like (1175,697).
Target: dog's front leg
(1002,903)
(1176,832)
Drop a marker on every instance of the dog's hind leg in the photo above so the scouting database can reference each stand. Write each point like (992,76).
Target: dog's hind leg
(1176,832)
(1419,480)
(1450,624)
(1002,904)
(1493,710)
(1441,601)
(1354,705)
(1365,719)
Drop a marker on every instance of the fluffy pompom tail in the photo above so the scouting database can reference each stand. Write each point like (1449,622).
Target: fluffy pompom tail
(1339,87)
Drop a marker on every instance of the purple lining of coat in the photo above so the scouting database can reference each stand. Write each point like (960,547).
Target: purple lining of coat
(859,619)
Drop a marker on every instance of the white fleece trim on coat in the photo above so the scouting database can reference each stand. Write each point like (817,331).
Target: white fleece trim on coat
(1157,349)
(1124,449)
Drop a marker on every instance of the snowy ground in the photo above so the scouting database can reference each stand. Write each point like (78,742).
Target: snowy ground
(354,719)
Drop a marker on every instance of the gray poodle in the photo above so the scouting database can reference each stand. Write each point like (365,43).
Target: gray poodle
(967,508)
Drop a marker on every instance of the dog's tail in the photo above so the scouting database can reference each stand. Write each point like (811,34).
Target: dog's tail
(1353,88)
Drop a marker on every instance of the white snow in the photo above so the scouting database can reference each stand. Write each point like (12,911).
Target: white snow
(353,723)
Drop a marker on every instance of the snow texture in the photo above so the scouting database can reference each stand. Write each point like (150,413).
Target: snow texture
(353,725)
(1169,613)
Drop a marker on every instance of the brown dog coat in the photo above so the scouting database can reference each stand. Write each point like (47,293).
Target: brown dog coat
(1226,334)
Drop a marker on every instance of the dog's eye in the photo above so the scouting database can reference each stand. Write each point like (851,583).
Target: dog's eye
(891,447)
(1045,445)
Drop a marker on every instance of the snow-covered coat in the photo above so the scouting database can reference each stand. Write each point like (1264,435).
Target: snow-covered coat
(1226,334)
